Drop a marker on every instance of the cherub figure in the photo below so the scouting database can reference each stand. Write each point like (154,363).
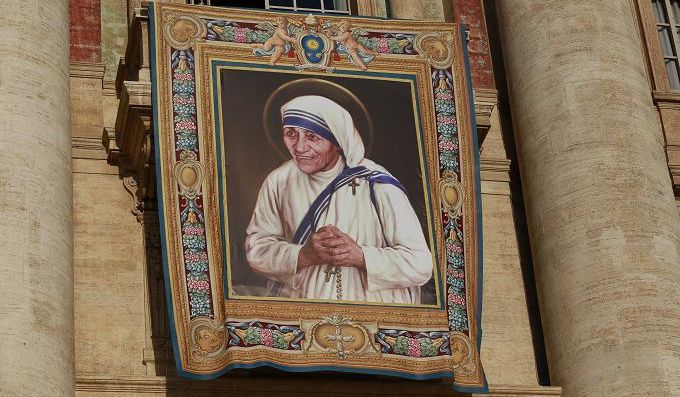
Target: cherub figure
(358,54)
(278,43)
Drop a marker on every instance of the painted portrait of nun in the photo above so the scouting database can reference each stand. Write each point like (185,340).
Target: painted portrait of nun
(330,224)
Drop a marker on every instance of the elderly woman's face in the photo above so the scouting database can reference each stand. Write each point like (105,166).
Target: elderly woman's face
(310,152)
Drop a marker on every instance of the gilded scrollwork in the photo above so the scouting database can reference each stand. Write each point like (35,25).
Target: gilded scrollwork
(208,339)
(130,184)
(462,353)
(181,30)
(188,174)
(339,335)
(436,48)
(451,194)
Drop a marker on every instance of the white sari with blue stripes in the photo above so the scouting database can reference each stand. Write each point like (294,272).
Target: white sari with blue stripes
(377,215)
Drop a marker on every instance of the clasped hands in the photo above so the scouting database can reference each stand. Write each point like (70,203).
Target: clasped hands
(329,245)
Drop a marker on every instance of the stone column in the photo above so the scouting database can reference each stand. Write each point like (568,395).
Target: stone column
(36,241)
(426,10)
(602,220)
(372,8)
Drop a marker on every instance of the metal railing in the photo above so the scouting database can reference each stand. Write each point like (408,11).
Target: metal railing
(335,6)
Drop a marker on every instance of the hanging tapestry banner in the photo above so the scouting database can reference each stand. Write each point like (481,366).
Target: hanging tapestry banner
(319,195)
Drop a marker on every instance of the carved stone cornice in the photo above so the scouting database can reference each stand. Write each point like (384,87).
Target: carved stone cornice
(668,107)
(134,66)
(87,70)
(666,98)
(133,127)
(87,148)
(130,144)
(229,385)
(485,101)
(497,170)
(121,74)
(109,143)
(86,143)
(109,88)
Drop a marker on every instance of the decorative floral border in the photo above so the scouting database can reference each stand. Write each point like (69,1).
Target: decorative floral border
(192,219)
(249,33)
(449,167)
(414,344)
(256,333)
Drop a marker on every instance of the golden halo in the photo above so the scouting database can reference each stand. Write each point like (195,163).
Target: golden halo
(271,117)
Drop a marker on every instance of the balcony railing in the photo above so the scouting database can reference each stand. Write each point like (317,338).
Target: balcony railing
(324,6)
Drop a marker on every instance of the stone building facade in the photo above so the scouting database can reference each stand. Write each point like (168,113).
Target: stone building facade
(579,128)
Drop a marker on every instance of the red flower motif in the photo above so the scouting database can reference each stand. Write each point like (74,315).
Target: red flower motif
(383,45)
(266,336)
(413,347)
(198,285)
(456,300)
(240,36)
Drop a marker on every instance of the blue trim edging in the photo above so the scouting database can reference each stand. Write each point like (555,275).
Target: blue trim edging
(159,190)
(236,366)
(478,184)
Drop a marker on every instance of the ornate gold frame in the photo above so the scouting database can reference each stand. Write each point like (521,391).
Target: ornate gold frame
(202,342)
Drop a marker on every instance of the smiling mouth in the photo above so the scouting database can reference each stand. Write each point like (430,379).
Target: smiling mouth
(299,158)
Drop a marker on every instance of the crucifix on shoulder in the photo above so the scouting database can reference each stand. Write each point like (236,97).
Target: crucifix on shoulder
(354,185)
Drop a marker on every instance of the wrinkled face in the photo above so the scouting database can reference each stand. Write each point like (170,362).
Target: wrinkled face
(310,152)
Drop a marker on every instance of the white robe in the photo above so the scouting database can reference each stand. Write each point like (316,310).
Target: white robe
(398,260)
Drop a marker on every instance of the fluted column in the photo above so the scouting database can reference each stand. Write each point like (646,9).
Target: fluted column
(36,237)
(602,220)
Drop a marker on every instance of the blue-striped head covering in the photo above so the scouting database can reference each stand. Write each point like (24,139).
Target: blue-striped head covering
(309,121)
(327,119)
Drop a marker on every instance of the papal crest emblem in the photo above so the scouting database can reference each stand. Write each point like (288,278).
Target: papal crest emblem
(315,42)
(314,48)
